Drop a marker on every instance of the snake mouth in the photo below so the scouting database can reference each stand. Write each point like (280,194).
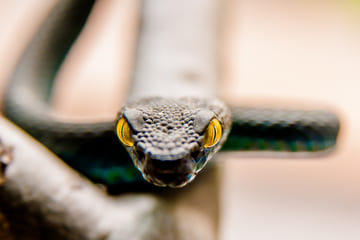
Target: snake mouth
(168,172)
(165,179)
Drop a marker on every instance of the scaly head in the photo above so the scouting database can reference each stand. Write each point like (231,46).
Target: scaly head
(171,140)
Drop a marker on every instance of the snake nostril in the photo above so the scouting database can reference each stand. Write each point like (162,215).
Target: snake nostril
(140,155)
(195,153)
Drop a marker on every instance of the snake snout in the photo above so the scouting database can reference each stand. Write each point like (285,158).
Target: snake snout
(169,172)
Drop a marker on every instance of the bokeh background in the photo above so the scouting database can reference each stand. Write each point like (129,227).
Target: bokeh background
(282,53)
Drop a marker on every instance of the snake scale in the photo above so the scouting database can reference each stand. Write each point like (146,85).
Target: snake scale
(169,138)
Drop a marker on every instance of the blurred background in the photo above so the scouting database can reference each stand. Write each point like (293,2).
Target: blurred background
(274,52)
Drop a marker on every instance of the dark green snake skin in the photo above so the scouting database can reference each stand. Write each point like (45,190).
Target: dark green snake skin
(94,150)
(282,130)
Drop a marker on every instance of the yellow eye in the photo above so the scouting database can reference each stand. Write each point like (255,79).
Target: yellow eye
(124,132)
(213,133)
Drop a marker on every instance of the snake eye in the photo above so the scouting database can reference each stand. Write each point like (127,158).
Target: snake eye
(123,131)
(212,133)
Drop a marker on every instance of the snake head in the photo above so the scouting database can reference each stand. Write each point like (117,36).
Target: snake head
(171,140)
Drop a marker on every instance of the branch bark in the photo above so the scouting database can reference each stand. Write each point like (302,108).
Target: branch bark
(44,199)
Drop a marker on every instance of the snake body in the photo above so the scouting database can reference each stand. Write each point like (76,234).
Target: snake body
(165,136)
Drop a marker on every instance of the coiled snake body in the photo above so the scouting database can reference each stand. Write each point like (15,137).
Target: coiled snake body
(169,139)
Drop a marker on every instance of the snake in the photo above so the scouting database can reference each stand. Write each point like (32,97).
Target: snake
(163,136)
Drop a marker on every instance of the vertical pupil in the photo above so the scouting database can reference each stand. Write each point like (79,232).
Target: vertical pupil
(214,133)
(123,132)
